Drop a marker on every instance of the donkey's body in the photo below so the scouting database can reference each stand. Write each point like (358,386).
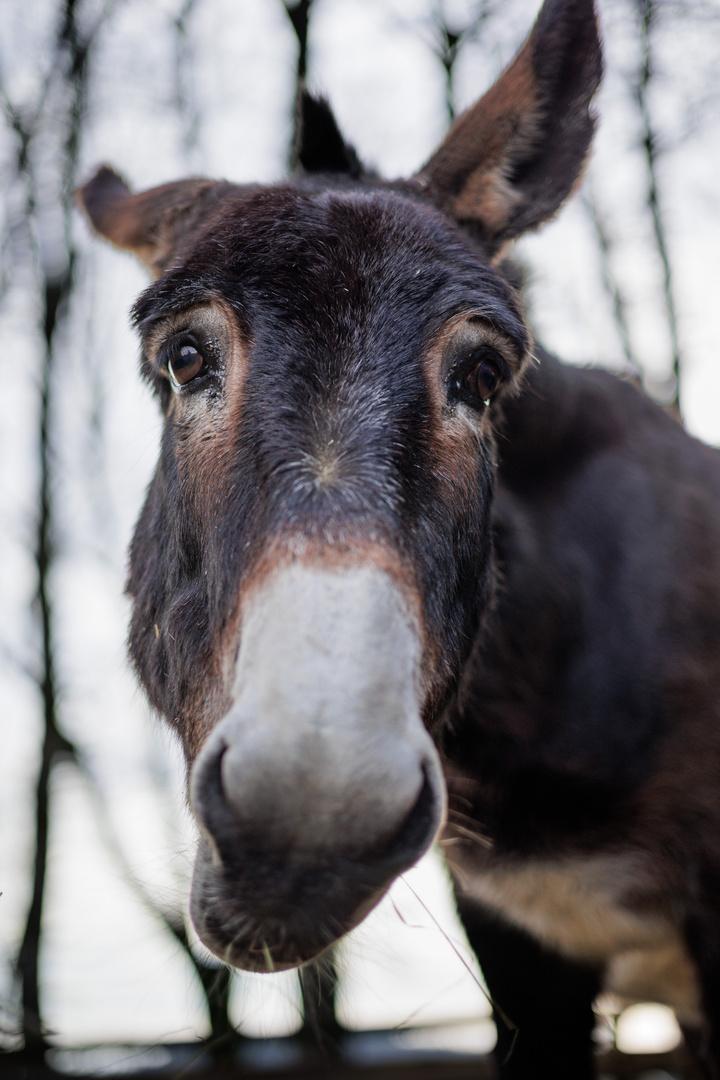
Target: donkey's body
(586,742)
(374,549)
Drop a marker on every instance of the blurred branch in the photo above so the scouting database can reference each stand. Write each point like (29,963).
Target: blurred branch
(612,285)
(22,129)
(70,62)
(5,272)
(298,11)
(54,743)
(183,61)
(447,52)
(447,41)
(69,45)
(647,13)
(318,986)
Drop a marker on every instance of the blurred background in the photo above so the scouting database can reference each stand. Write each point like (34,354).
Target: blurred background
(96,843)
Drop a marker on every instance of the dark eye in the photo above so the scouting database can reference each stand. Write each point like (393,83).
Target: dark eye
(478,379)
(184,364)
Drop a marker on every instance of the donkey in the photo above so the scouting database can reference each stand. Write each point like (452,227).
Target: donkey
(394,579)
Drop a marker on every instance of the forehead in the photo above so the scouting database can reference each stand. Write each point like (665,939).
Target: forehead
(314,257)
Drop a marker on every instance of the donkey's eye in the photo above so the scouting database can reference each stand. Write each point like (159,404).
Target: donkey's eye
(477,380)
(184,364)
(483,380)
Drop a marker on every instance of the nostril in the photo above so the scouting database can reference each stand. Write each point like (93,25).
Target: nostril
(207,796)
(420,825)
(252,795)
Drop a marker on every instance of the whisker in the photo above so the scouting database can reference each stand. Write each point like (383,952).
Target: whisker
(459,798)
(452,812)
(468,834)
(460,877)
(505,1019)
(268,958)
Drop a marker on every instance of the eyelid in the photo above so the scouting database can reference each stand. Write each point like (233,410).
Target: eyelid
(472,332)
(175,342)
(209,326)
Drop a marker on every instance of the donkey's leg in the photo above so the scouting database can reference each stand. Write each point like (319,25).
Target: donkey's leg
(547,998)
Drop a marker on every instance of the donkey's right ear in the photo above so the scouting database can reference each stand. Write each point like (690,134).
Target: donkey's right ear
(152,224)
(512,159)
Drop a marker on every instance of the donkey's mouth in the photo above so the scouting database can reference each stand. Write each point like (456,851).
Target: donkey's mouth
(270,911)
(272,915)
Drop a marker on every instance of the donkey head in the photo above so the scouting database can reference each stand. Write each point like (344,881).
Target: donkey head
(314,557)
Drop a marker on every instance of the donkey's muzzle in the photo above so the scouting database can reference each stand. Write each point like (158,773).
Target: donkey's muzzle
(320,785)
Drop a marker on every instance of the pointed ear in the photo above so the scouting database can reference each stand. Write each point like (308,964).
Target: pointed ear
(152,224)
(320,146)
(512,159)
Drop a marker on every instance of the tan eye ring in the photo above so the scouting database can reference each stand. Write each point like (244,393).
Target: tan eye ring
(186,363)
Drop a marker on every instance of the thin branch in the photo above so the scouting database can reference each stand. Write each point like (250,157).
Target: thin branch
(612,285)
(183,58)
(54,742)
(446,52)
(56,288)
(447,41)
(298,11)
(647,11)
(318,987)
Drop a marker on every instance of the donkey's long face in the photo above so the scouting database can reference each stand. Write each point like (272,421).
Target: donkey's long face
(314,557)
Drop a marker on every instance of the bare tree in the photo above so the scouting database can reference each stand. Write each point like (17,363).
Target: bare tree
(46,138)
(62,90)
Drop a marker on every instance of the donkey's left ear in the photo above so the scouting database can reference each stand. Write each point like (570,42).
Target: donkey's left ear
(152,224)
(319,144)
(512,159)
